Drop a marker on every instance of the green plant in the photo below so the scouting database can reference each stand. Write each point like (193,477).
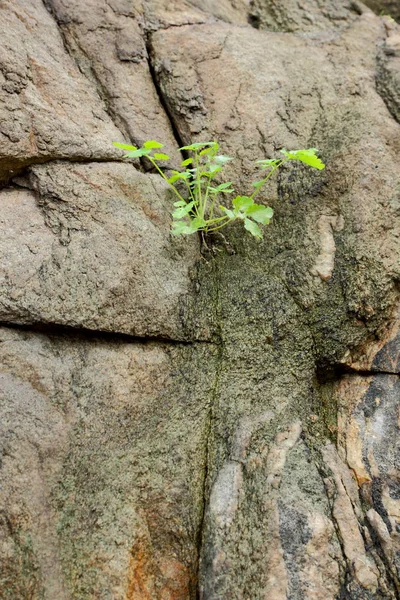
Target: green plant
(199,208)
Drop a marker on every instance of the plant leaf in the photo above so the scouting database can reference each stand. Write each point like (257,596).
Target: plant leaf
(182,211)
(174,178)
(214,169)
(137,153)
(177,176)
(253,228)
(221,159)
(242,202)
(268,162)
(307,157)
(261,214)
(180,203)
(124,146)
(223,188)
(180,228)
(196,224)
(197,145)
(228,212)
(160,156)
(152,144)
(186,162)
(213,148)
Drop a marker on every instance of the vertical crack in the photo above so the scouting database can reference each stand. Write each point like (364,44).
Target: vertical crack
(79,56)
(163,101)
(387,72)
(206,469)
(213,400)
(74,49)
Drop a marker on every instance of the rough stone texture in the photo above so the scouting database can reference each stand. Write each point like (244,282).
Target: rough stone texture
(381,355)
(388,75)
(385,7)
(368,436)
(262,461)
(161,14)
(231,11)
(102,486)
(48,109)
(323,281)
(288,548)
(327,98)
(107,42)
(305,16)
(90,247)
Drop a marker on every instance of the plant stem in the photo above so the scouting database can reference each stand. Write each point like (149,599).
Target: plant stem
(219,226)
(217,220)
(212,206)
(153,162)
(206,198)
(274,168)
(192,198)
(199,200)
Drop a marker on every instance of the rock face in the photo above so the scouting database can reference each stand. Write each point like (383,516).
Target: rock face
(176,426)
(96,503)
(48,108)
(96,239)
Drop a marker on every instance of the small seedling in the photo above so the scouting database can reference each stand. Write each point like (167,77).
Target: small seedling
(200,207)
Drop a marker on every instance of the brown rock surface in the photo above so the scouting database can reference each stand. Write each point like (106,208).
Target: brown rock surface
(246,446)
(89,247)
(388,76)
(313,15)
(85,513)
(109,45)
(368,424)
(385,7)
(48,109)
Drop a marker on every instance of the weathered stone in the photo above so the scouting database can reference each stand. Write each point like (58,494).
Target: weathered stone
(325,97)
(108,42)
(312,554)
(306,294)
(361,567)
(325,261)
(132,441)
(310,16)
(163,13)
(381,355)
(385,7)
(102,487)
(48,109)
(231,11)
(289,553)
(388,74)
(90,247)
(369,443)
